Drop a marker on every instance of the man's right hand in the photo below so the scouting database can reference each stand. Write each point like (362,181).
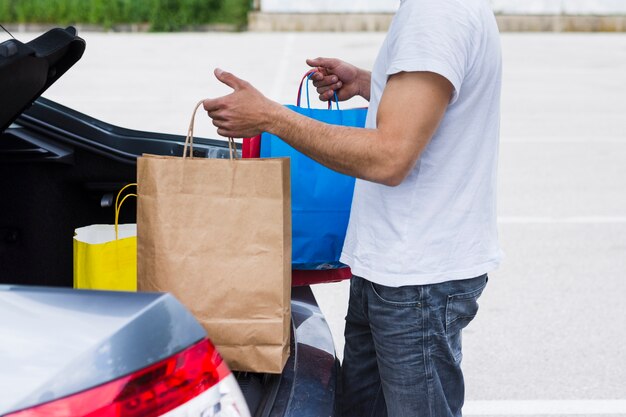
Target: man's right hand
(336,76)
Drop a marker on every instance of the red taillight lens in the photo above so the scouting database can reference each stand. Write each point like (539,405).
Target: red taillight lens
(151,391)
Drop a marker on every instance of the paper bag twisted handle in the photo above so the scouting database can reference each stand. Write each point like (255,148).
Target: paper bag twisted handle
(232,147)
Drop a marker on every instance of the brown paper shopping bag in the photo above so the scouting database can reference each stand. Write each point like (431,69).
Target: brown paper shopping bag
(216,233)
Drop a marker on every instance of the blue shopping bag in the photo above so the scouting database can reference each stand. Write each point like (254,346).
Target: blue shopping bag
(320,197)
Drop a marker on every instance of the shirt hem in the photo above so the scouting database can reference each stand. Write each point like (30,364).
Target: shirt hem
(400,280)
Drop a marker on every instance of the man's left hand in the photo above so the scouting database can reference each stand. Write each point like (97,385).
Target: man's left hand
(243,113)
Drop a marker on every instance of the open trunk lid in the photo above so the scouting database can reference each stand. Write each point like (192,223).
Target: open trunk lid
(28,69)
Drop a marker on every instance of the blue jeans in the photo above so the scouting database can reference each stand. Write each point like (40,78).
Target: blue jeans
(402,356)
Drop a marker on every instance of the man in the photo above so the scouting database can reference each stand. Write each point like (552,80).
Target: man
(422,233)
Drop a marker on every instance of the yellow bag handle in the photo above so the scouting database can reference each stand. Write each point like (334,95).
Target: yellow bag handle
(119,206)
(232,147)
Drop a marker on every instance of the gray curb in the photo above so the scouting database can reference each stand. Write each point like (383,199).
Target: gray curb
(123,28)
(340,22)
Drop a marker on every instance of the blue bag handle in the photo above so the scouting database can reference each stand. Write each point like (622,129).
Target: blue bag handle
(307,77)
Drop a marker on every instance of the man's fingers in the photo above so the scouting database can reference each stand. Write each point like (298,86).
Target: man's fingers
(228,132)
(322,62)
(229,79)
(220,123)
(224,133)
(327,95)
(336,86)
(312,62)
(325,81)
(317,76)
(217,115)
(212,104)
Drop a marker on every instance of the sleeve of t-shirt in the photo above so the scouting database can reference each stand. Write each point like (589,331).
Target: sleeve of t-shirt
(433,36)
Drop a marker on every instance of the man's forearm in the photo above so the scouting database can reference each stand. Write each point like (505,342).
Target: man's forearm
(408,115)
(352,151)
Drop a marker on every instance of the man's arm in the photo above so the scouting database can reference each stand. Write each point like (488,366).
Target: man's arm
(410,110)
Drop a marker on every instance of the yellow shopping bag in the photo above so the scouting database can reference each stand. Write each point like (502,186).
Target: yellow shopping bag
(105,255)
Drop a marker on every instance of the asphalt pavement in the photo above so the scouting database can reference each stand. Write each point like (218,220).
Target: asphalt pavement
(550,337)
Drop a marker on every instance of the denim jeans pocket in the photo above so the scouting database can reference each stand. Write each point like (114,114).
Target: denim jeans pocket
(460,311)
(409,296)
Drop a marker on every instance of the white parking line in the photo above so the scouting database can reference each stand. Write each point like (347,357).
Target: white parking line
(567,139)
(545,408)
(563,220)
(282,67)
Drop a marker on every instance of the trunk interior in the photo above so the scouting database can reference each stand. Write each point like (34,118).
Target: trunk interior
(61,170)
(44,201)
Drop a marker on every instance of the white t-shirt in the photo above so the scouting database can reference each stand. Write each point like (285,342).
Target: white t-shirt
(440,223)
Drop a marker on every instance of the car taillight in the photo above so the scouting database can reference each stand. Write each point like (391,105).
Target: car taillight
(193,382)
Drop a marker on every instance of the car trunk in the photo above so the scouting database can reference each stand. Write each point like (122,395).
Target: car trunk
(60,170)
